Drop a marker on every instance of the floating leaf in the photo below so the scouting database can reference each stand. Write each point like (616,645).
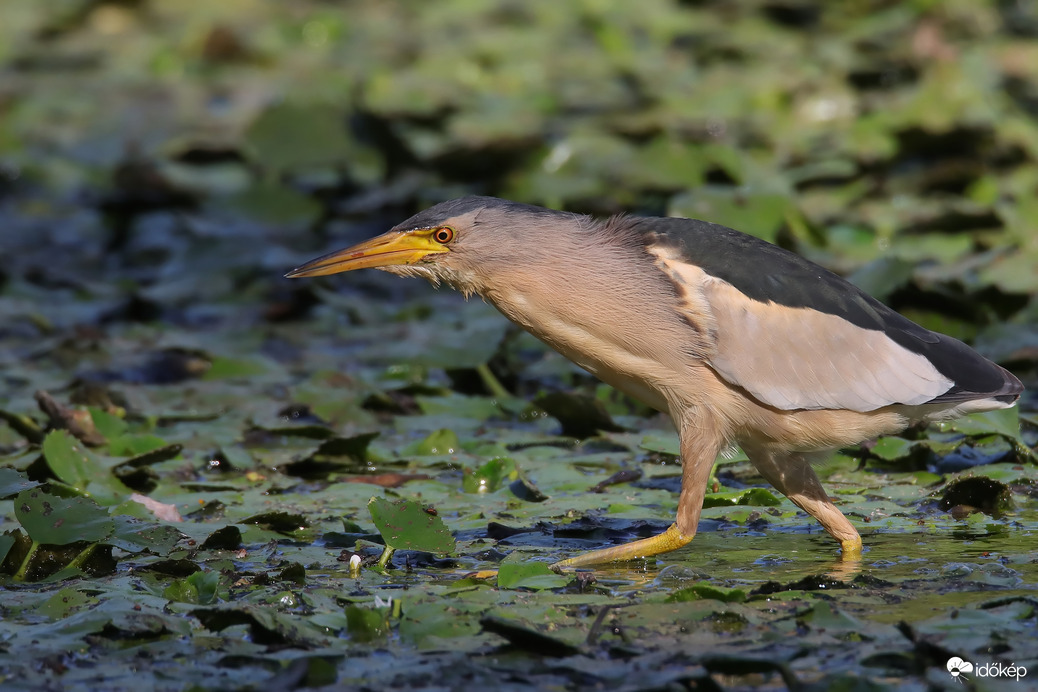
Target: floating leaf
(13,482)
(226,538)
(367,624)
(706,591)
(517,571)
(1005,422)
(488,477)
(757,497)
(406,525)
(70,461)
(134,535)
(109,425)
(891,448)
(429,623)
(64,603)
(282,522)
(440,442)
(57,520)
(265,624)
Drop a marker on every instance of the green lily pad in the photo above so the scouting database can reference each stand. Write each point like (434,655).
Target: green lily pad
(198,588)
(109,425)
(441,441)
(698,592)
(891,448)
(517,571)
(1005,422)
(134,535)
(65,602)
(406,525)
(54,520)
(70,461)
(488,477)
(367,624)
(13,482)
(759,497)
(428,623)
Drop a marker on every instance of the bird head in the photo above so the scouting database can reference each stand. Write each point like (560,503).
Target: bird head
(459,242)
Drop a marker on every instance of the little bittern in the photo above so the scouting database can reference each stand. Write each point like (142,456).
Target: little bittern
(738,340)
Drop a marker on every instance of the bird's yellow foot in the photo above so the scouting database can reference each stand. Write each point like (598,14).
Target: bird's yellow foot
(669,540)
(851,548)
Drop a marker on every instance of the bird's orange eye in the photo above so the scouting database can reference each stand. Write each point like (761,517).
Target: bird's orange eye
(443,235)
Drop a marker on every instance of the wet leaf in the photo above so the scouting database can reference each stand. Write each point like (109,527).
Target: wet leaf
(367,624)
(266,626)
(282,522)
(109,425)
(426,625)
(439,442)
(890,448)
(226,538)
(134,535)
(12,482)
(69,461)
(489,477)
(1004,422)
(518,572)
(759,497)
(407,525)
(7,541)
(706,591)
(57,520)
(64,603)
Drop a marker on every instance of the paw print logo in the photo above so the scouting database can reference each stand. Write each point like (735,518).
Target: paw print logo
(958,668)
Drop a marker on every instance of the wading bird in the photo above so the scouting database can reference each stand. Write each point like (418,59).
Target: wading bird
(737,339)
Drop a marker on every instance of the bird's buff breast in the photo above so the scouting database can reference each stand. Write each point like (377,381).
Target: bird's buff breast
(597,351)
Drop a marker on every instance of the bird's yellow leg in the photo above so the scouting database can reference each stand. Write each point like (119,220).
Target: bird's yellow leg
(669,540)
(697,460)
(792,475)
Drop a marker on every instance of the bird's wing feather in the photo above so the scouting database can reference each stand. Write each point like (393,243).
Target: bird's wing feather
(798,336)
(799,358)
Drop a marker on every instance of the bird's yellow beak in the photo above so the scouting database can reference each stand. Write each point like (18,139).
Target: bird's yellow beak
(391,248)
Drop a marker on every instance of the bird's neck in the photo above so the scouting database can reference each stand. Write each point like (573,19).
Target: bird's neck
(616,322)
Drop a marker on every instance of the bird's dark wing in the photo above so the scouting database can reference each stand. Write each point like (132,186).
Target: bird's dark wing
(796,335)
